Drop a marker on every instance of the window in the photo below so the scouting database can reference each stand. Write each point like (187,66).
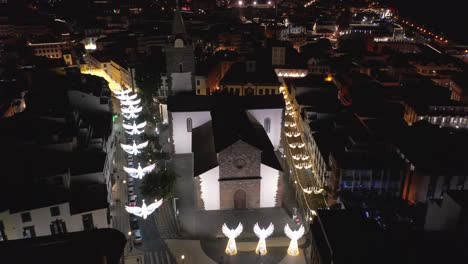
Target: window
(189,124)
(54,211)
(198,91)
(29,232)
(267,91)
(198,82)
(2,232)
(260,91)
(181,67)
(87,220)
(26,217)
(58,227)
(267,124)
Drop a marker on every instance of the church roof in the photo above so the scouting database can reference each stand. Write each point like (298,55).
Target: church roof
(178,26)
(230,123)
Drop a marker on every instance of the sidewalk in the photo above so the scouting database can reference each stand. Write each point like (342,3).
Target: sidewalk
(193,252)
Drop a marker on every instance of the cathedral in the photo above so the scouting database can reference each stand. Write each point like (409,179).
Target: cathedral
(232,141)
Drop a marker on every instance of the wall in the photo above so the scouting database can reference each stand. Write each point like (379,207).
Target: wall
(239,160)
(229,187)
(41,220)
(443,217)
(268,186)
(209,187)
(276,116)
(182,139)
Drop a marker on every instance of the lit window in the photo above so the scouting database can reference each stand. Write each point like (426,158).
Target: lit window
(189,124)
(267,124)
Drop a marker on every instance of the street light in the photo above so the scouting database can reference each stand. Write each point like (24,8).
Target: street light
(240,3)
(183,258)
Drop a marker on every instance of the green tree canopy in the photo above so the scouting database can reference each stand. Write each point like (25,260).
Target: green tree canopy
(158,185)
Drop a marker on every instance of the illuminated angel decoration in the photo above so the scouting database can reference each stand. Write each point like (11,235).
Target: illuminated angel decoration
(315,190)
(139,172)
(262,234)
(130,116)
(135,109)
(231,248)
(122,92)
(127,97)
(134,149)
(293,249)
(134,129)
(144,210)
(130,102)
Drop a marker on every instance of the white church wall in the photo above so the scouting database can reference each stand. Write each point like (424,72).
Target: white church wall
(268,186)
(210,189)
(275,116)
(181,82)
(181,136)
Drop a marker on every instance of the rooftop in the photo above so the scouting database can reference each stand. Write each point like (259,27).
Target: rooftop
(263,74)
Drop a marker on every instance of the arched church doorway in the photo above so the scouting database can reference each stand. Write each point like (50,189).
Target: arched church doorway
(240,199)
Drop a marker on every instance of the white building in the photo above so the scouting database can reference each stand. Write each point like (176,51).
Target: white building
(52,50)
(233,141)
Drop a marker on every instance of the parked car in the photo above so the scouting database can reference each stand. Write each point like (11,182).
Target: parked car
(131,191)
(137,238)
(130,179)
(134,223)
(132,200)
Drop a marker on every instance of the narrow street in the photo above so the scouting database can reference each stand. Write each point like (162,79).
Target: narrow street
(154,229)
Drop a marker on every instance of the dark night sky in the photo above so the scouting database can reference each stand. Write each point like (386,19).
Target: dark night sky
(446,16)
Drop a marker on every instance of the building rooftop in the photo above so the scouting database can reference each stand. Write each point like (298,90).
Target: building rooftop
(193,103)
(263,74)
(97,246)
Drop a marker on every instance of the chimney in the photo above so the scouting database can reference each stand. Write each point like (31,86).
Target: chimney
(250,66)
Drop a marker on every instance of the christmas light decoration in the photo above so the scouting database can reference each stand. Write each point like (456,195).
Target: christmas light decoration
(127,97)
(139,172)
(134,149)
(132,109)
(134,129)
(122,92)
(131,102)
(293,249)
(130,116)
(231,248)
(144,210)
(262,234)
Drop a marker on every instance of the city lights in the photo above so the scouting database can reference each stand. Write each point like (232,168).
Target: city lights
(231,248)
(144,210)
(262,235)
(293,249)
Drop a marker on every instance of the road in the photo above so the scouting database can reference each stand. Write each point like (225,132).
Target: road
(153,249)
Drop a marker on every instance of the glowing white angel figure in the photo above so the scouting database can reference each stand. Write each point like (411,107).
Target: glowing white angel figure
(262,234)
(135,109)
(231,248)
(144,210)
(127,97)
(130,102)
(134,149)
(139,172)
(134,129)
(293,249)
(122,92)
(130,116)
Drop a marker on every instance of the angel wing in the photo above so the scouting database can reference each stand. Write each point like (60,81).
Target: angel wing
(149,168)
(154,206)
(126,147)
(128,127)
(238,230)
(130,171)
(294,234)
(130,102)
(141,125)
(269,230)
(142,145)
(134,210)
(257,229)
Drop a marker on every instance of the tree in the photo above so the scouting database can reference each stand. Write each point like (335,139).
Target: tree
(148,75)
(158,185)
